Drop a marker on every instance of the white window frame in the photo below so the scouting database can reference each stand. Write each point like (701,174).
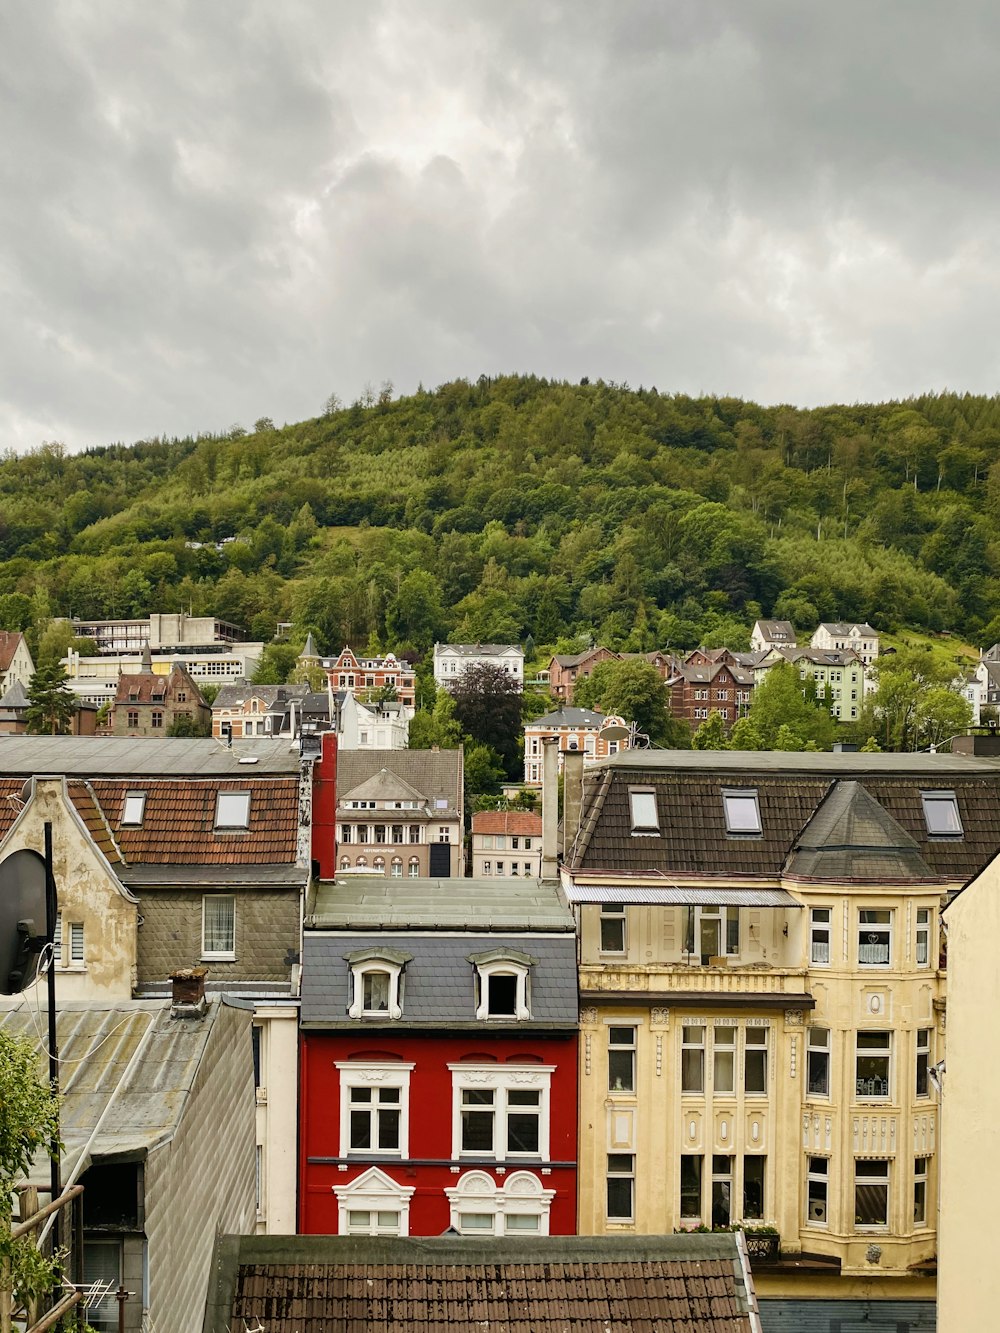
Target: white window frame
(373,1192)
(77,960)
(133,809)
(923,937)
(724,1044)
(620,1166)
(623,1042)
(875,928)
(519,1078)
(873,1052)
(502,965)
(520,1195)
(695,1044)
(232,810)
(221,954)
(820,924)
(818,1042)
(756,1047)
(884,1179)
(643,812)
(817,1209)
(371,961)
(736,803)
(612,913)
(922,1039)
(921,1178)
(374,1075)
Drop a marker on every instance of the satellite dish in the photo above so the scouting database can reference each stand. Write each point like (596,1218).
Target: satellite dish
(22,919)
(614,731)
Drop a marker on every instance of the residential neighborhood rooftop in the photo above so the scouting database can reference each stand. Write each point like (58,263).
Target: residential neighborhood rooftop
(91,756)
(439,904)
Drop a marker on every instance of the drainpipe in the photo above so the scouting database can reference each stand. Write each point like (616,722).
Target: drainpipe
(550,807)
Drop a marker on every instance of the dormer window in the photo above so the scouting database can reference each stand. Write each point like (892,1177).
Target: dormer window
(741,810)
(376,983)
(941,814)
(134,809)
(642,805)
(502,985)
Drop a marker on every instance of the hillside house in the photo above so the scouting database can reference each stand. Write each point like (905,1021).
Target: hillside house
(566,669)
(841,672)
(150,703)
(451,660)
(506,843)
(575,729)
(843,636)
(767,634)
(367,675)
(718,686)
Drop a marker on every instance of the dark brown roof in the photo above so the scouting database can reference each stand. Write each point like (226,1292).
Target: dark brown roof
(178,826)
(649,1284)
(85,803)
(9,642)
(693,838)
(148,687)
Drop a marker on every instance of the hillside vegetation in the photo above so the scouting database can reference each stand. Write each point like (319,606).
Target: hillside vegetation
(516,507)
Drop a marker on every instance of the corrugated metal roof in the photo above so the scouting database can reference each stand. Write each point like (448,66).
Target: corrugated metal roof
(96,1044)
(91,756)
(673,895)
(441,904)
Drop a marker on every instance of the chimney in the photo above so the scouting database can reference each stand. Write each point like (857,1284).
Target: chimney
(324,809)
(572,799)
(550,807)
(187,992)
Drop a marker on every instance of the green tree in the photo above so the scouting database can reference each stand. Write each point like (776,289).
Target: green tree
(634,690)
(277,662)
(415,616)
(29,1123)
(51,703)
(488,709)
(711,735)
(941,715)
(186,725)
(781,704)
(435,726)
(483,771)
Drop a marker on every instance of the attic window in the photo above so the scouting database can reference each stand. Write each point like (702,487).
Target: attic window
(741,810)
(135,808)
(941,814)
(502,985)
(232,809)
(642,804)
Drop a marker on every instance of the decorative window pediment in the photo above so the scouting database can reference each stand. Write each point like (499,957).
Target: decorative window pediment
(376,982)
(502,989)
(520,1206)
(373,1205)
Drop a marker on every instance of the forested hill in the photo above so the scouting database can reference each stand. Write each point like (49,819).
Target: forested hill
(516,506)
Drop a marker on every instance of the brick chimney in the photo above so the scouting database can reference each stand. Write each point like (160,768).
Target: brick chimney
(324,809)
(187,992)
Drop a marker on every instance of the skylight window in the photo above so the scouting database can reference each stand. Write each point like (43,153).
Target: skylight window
(741,810)
(134,809)
(642,805)
(232,809)
(941,814)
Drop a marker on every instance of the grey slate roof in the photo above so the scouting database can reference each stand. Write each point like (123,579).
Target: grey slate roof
(569,717)
(15,697)
(168,875)
(381,786)
(120,756)
(436,774)
(439,904)
(479,649)
(96,1042)
(439,982)
(236,692)
(852,837)
(843,627)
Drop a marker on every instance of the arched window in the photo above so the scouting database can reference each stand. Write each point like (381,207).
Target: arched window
(376,983)
(396,869)
(518,1207)
(502,984)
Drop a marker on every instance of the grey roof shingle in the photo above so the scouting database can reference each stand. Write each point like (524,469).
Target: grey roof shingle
(120,756)
(439,982)
(439,904)
(852,837)
(436,774)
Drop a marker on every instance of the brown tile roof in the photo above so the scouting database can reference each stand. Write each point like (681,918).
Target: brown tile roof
(178,825)
(10,802)
(507,821)
(693,839)
(9,641)
(645,1296)
(85,803)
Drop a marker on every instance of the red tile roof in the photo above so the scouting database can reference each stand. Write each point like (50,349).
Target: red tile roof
(178,826)
(9,641)
(507,821)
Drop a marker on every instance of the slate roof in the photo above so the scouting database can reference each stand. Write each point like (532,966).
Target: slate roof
(381,786)
(15,697)
(435,774)
(480,649)
(777,631)
(851,837)
(843,627)
(693,840)
(507,821)
(832,657)
(549,1284)
(439,981)
(439,904)
(96,1042)
(237,692)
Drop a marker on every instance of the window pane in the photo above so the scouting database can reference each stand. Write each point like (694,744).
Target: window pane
(692,1071)
(522,1132)
(621,1071)
(691,1186)
(644,814)
(376,991)
(724,1067)
(502,995)
(612,934)
(475,1221)
(755,1070)
(361,1129)
(522,1222)
(753,1187)
(388,1128)
(941,813)
(232,809)
(742,814)
(220,923)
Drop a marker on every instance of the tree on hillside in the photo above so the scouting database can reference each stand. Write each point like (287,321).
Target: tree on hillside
(911,694)
(276,664)
(29,1122)
(941,715)
(711,734)
(635,691)
(51,703)
(488,709)
(783,715)
(435,726)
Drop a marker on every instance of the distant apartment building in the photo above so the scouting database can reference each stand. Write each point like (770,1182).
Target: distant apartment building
(700,688)
(840,672)
(842,636)
(576,729)
(772,634)
(158,633)
(506,844)
(361,674)
(566,669)
(452,660)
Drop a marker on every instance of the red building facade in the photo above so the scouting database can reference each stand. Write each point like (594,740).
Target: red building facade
(438,1061)
(362,675)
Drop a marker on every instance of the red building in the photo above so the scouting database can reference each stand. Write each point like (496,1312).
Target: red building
(438,1060)
(362,675)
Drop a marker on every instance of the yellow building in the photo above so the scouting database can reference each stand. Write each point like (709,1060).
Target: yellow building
(761,1007)
(969,1287)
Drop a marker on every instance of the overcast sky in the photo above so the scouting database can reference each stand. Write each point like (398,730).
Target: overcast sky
(217,210)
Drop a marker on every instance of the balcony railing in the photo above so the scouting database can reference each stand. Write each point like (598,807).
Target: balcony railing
(722,980)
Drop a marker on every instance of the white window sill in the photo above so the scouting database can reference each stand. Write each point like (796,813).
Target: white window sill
(218,958)
(71,967)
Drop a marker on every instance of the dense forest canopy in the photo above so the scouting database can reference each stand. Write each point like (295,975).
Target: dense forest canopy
(517,507)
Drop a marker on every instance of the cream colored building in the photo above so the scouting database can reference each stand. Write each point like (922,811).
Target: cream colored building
(762,1005)
(969,1276)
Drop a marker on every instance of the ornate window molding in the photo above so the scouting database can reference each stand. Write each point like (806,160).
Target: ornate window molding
(502,984)
(377,982)
(518,1207)
(374,1108)
(368,1204)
